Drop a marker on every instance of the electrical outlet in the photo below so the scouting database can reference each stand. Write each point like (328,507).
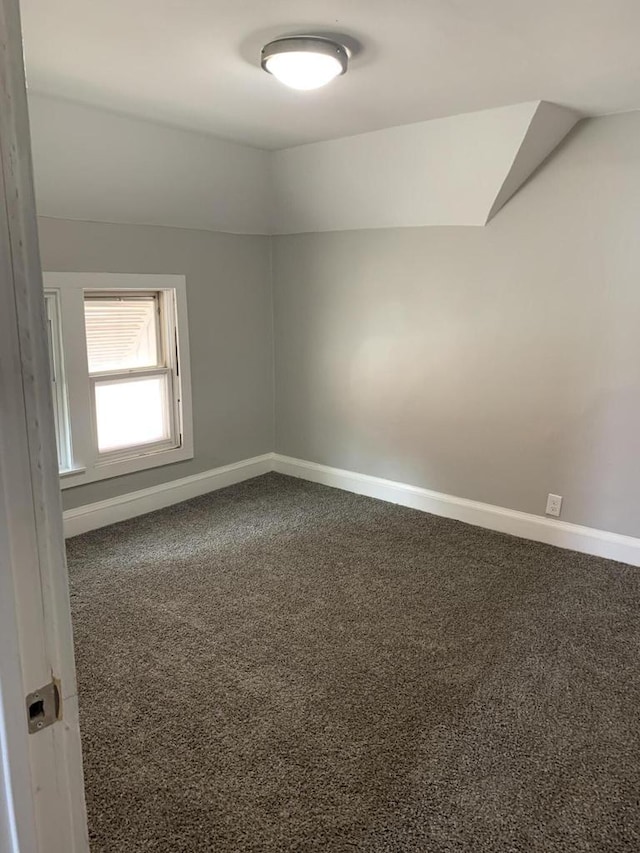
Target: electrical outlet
(554,505)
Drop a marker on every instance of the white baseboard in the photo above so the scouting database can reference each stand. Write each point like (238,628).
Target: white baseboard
(102,513)
(588,540)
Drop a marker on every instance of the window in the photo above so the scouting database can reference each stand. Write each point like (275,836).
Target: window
(120,373)
(133,404)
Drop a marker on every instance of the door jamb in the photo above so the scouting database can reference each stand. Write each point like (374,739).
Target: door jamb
(42,807)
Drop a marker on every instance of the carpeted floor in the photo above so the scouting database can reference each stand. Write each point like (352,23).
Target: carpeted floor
(280,666)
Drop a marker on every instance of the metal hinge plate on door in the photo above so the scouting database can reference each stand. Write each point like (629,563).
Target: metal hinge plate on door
(44,707)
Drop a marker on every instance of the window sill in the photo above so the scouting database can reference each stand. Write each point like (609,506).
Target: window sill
(106,470)
(70,472)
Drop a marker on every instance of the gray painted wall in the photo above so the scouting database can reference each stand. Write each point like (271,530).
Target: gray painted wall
(230,332)
(497,363)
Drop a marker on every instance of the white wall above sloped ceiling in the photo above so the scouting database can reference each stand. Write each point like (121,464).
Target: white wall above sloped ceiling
(451,171)
(94,165)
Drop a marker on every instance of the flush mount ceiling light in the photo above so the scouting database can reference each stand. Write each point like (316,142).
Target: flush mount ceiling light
(304,62)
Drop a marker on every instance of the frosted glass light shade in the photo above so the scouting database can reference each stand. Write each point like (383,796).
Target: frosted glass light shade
(304,62)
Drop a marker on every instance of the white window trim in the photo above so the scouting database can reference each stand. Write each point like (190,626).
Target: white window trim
(58,379)
(86,466)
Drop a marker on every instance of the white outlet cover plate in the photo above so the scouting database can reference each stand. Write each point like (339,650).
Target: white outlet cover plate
(554,505)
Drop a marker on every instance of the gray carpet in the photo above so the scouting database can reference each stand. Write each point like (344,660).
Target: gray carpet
(280,666)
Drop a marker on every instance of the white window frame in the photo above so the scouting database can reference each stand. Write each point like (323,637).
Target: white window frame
(85,463)
(58,380)
(166,328)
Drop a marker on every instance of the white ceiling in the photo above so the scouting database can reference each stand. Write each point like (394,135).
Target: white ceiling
(195,63)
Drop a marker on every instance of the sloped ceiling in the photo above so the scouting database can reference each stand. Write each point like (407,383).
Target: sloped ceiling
(94,165)
(454,171)
(548,127)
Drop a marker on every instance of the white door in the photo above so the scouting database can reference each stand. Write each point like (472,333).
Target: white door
(41,791)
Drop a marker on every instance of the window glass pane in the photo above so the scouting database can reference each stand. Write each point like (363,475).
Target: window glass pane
(122,332)
(132,412)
